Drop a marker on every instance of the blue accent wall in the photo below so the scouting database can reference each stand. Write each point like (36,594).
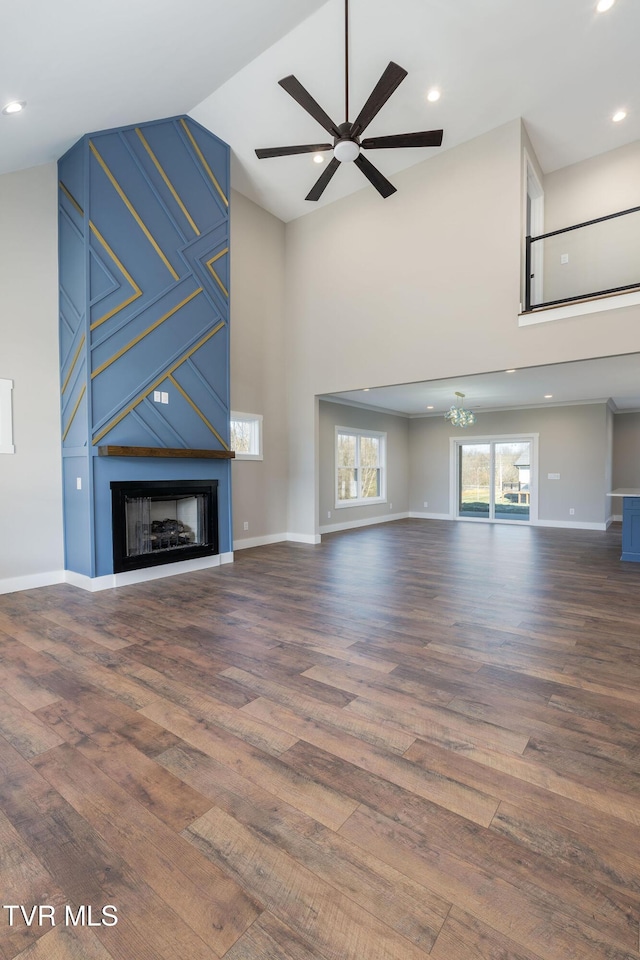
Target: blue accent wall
(144,307)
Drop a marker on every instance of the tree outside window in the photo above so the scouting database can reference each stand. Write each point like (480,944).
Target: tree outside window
(246,435)
(360,467)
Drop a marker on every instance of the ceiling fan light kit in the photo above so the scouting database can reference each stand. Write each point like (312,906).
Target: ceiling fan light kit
(347,144)
(346,150)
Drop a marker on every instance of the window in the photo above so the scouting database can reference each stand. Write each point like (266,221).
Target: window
(6,427)
(246,435)
(360,467)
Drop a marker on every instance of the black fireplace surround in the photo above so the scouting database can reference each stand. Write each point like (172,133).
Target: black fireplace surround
(163,521)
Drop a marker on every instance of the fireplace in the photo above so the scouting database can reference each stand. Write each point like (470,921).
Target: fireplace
(163,521)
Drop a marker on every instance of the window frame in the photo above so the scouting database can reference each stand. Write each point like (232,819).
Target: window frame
(358,433)
(6,417)
(255,420)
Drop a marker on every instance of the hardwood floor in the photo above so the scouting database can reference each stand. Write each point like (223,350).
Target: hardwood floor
(417,739)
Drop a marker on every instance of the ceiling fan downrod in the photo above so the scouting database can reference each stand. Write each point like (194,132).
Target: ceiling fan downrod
(346,60)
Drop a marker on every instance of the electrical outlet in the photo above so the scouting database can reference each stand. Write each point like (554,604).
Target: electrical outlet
(571,511)
(78,483)
(157,396)
(426,503)
(328,514)
(564,258)
(390,506)
(245,525)
(164,397)
(553,476)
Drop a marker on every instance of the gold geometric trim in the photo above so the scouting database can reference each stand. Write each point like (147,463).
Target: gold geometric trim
(156,383)
(73,363)
(204,163)
(198,411)
(125,273)
(141,336)
(71,198)
(215,275)
(164,176)
(134,213)
(74,411)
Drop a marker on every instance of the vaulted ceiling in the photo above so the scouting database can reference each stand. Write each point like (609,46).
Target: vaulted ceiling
(85,66)
(559,64)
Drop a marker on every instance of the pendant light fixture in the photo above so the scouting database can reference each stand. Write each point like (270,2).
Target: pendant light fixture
(458,416)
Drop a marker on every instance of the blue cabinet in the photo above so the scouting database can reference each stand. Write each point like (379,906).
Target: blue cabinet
(631,529)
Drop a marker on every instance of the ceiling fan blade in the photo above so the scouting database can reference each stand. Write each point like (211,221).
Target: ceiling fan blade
(427,138)
(319,186)
(290,151)
(373,175)
(295,89)
(388,82)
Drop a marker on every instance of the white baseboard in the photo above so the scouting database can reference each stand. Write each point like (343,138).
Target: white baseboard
(111,580)
(31,581)
(418,515)
(369,522)
(311,538)
(570,525)
(276,538)
(259,541)
(566,524)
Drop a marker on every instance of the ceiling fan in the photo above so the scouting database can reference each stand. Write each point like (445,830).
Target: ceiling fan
(347,144)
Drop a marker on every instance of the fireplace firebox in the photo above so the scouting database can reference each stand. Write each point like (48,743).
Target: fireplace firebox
(163,521)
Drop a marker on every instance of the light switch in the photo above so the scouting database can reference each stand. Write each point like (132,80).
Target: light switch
(164,397)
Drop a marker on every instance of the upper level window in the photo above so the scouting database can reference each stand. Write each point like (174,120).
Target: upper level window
(6,426)
(246,435)
(360,467)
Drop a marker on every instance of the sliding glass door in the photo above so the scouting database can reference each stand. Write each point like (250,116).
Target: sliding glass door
(494,479)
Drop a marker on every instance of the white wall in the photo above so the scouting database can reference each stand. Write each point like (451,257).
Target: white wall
(397,480)
(602,256)
(421,286)
(258,373)
(30,479)
(573,441)
(593,188)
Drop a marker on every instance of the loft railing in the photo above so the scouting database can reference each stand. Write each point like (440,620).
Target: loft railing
(596,258)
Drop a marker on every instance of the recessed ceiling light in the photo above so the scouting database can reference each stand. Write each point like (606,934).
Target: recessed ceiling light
(548,396)
(15,106)
(318,158)
(510,371)
(604,5)
(430,408)
(433,95)
(366,389)
(619,116)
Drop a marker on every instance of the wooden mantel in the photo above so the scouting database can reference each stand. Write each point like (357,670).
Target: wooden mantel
(169,452)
